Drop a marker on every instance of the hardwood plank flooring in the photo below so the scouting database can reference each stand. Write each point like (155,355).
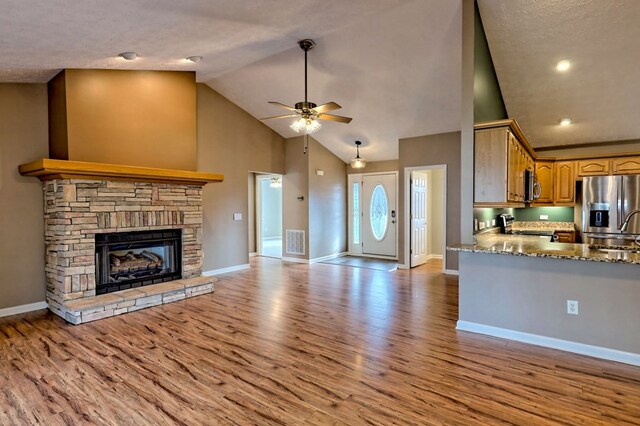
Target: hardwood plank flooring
(298,344)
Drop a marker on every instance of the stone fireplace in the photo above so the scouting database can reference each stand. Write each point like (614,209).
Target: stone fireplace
(120,241)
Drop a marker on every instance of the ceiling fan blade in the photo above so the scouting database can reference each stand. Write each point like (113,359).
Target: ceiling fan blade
(337,118)
(282,105)
(280,116)
(329,106)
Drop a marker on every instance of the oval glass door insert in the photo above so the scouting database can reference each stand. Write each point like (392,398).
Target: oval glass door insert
(379,212)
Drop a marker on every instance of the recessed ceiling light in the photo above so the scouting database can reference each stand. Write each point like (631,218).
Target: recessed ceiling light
(565,121)
(194,58)
(129,56)
(563,65)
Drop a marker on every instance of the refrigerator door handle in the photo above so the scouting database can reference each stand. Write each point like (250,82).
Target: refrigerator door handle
(620,206)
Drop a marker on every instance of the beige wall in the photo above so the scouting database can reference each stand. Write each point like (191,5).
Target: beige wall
(375,167)
(232,142)
(23,138)
(609,148)
(427,151)
(139,118)
(436,219)
(529,294)
(327,202)
(295,183)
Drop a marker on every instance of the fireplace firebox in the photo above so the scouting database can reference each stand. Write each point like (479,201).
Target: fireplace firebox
(127,260)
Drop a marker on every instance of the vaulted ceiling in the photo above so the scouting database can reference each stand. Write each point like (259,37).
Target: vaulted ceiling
(393,65)
(600,92)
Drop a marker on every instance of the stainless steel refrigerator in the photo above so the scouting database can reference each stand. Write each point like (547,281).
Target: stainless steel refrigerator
(606,202)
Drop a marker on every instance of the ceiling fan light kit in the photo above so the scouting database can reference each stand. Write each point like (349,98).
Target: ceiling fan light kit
(358,163)
(308,113)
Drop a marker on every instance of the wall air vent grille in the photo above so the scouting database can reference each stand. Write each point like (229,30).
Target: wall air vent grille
(295,242)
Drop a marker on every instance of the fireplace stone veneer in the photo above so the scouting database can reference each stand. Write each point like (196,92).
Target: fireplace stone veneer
(75,210)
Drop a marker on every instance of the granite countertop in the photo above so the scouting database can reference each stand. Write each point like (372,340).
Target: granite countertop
(534,246)
(543,225)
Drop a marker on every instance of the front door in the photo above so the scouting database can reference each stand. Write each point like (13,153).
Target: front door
(418,218)
(379,214)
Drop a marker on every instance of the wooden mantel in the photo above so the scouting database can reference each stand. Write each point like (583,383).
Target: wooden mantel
(47,169)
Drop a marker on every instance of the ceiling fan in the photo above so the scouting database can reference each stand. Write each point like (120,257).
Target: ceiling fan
(307,112)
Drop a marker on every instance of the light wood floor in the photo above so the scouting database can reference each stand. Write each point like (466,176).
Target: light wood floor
(297,344)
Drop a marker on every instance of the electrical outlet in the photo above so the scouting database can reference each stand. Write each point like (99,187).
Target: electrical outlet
(544,217)
(237,216)
(572,307)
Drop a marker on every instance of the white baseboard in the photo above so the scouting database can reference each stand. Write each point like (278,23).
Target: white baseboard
(15,310)
(551,342)
(253,254)
(402,266)
(434,256)
(294,260)
(451,272)
(331,256)
(226,270)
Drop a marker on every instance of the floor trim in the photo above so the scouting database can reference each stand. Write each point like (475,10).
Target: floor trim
(253,254)
(451,272)
(434,256)
(551,342)
(294,260)
(226,270)
(331,256)
(21,309)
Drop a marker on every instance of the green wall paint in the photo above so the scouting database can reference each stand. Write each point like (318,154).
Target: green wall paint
(487,98)
(484,215)
(556,214)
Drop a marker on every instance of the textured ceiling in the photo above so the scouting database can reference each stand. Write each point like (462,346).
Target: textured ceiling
(394,65)
(396,73)
(600,92)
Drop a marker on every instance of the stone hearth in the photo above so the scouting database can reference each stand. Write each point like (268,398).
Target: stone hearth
(77,209)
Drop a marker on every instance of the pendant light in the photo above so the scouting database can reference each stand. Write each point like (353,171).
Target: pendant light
(358,163)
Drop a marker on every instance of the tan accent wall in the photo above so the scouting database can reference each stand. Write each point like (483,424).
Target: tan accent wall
(232,142)
(427,151)
(136,118)
(295,183)
(606,148)
(23,138)
(530,294)
(327,202)
(375,167)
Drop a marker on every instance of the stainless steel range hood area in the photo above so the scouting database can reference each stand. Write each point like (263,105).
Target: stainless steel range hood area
(133,118)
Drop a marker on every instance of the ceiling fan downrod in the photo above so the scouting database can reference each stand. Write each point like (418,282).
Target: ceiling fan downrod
(307,44)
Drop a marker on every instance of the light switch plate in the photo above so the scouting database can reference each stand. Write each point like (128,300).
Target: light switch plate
(544,217)
(237,216)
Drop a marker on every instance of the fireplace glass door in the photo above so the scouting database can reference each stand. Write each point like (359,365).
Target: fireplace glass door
(133,259)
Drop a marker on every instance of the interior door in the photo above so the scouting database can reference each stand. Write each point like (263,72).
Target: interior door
(379,214)
(418,218)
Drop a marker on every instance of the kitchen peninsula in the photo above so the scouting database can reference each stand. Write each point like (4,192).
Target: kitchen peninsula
(518,287)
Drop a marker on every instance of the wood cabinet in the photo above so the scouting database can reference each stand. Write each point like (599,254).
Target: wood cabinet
(565,183)
(594,167)
(565,236)
(500,163)
(544,174)
(626,165)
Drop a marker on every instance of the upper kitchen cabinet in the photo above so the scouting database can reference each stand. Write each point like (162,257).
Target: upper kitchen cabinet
(626,165)
(565,183)
(502,155)
(544,174)
(594,167)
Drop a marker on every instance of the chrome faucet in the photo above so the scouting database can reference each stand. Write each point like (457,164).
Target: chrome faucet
(625,224)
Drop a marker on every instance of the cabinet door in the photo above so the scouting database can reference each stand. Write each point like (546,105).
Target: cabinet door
(626,165)
(512,173)
(566,237)
(565,183)
(595,167)
(491,172)
(544,174)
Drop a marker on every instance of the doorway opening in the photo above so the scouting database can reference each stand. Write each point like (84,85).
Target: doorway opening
(373,215)
(269,215)
(425,215)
